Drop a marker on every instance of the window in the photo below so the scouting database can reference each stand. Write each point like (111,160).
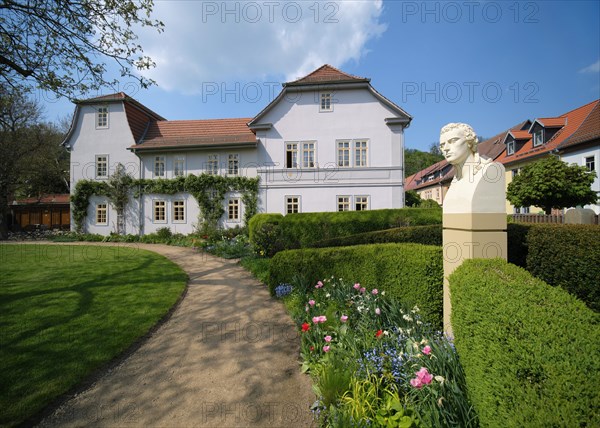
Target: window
(159,166)
(159,212)
(326,104)
(510,148)
(537,138)
(521,210)
(360,152)
(101,166)
(343,153)
(590,163)
(233,209)
(179,211)
(212,165)
(343,203)
(102,117)
(233,164)
(308,155)
(292,204)
(361,203)
(179,166)
(101,214)
(515,172)
(291,155)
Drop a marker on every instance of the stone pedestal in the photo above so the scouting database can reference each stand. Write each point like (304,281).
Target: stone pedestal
(470,236)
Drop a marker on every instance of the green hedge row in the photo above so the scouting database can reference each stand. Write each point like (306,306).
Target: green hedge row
(529,350)
(412,273)
(427,235)
(302,230)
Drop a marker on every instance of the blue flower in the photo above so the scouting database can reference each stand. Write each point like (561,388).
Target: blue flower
(283,290)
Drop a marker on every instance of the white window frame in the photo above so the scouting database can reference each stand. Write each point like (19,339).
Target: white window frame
(359,150)
(179,166)
(325,102)
(233,164)
(298,154)
(309,148)
(291,155)
(347,203)
(587,163)
(212,164)
(234,203)
(289,203)
(367,202)
(155,205)
(178,203)
(510,148)
(159,160)
(97,166)
(538,138)
(344,158)
(102,207)
(102,114)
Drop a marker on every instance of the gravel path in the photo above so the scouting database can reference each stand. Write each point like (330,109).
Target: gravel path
(227,357)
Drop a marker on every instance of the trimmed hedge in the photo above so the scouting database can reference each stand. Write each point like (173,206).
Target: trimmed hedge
(529,350)
(426,235)
(265,234)
(412,273)
(302,230)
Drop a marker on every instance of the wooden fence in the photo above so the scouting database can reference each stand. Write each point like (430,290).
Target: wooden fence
(542,218)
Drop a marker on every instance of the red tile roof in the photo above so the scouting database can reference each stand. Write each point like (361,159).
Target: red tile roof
(45,200)
(552,122)
(326,74)
(186,133)
(520,135)
(572,120)
(588,131)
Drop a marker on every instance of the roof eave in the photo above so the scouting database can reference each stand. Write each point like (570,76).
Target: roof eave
(141,149)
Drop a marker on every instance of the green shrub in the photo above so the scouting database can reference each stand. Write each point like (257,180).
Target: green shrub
(265,234)
(427,235)
(163,233)
(529,350)
(411,273)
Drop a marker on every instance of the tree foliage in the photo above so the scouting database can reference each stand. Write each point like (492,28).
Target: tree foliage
(412,198)
(416,160)
(63,46)
(551,183)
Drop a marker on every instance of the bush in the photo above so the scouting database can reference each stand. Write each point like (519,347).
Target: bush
(427,235)
(411,273)
(529,350)
(265,234)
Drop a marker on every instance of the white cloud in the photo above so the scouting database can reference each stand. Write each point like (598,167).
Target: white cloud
(592,68)
(217,41)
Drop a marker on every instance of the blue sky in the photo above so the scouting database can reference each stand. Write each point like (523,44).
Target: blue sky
(491,64)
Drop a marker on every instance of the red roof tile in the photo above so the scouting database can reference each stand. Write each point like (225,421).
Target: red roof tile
(185,133)
(45,200)
(552,122)
(588,131)
(520,135)
(326,74)
(572,120)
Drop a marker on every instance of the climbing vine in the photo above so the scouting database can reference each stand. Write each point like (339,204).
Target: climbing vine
(208,190)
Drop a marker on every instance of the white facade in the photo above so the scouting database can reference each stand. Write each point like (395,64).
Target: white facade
(583,157)
(346,156)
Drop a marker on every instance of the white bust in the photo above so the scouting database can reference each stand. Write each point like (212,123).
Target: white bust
(478,184)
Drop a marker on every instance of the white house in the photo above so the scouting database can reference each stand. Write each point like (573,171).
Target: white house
(328,142)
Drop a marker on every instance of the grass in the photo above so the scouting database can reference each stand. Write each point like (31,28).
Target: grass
(259,267)
(67,310)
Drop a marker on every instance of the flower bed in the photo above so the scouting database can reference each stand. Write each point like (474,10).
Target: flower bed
(374,362)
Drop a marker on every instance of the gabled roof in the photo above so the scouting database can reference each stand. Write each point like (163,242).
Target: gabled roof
(588,131)
(518,135)
(549,122)
(196,133)
(52,199)
(572,121)
(120,97)
(326,74)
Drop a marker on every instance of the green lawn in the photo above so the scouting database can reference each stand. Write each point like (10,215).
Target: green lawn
(66,310)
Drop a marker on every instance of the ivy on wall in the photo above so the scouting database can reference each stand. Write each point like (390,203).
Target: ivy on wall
(208,190)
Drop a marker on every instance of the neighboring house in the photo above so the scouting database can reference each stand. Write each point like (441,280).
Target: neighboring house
(551,136)
(46,212)
(328,142)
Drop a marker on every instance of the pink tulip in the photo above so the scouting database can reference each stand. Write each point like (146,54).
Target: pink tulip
(327,339)
(363,289)
(424,376)
(322,318)
(319,284)
(316,320)
(427,350)
(311,302)
(326,348)
(357,286)
(375,291)
(416,383)
(344,318)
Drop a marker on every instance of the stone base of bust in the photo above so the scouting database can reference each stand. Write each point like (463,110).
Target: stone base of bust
(470,236)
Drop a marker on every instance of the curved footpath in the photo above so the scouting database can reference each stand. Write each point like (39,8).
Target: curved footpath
(227,357)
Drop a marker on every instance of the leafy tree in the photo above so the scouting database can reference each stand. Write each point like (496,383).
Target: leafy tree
(31,160)
(412,198)
(416,160)
(62,45)
(551,183)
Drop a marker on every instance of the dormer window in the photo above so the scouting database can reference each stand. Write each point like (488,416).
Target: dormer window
(102,117)
(326,104)
(538,139)
(510,148)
